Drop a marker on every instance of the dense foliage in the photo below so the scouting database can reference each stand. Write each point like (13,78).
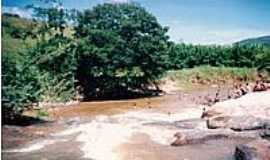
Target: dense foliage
(19,84)
(20,88)
(42,70)
(121,48)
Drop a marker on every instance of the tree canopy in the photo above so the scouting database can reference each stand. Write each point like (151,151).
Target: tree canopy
(121,47)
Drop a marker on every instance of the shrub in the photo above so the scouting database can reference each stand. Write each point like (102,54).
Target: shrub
(20,87)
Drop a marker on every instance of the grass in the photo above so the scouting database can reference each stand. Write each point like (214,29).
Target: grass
(14,46)
(42,113)
(207,75)
(11,45)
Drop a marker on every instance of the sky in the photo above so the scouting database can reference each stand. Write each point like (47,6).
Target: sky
(190,21)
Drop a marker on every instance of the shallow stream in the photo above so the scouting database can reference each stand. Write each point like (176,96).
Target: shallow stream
(127,130)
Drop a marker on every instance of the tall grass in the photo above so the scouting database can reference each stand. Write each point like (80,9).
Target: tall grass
(211,75)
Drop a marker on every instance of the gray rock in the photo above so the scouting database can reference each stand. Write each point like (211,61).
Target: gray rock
(247,123)
(243,152)
(200,136)
(266,132)
(255,150)
(218,122)
(250,112)
(181,139)
(237,123)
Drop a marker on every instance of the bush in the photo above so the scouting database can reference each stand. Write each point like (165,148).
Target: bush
(56,62)
(43,72)
(20,87)
(263,60)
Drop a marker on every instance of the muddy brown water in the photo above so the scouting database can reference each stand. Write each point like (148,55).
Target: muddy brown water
(118,130)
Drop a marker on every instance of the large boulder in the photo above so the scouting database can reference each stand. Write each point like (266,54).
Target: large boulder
(238,123)
(249,112)
(255,150)
(200,136)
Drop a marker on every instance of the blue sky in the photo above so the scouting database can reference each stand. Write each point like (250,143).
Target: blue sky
(191,21)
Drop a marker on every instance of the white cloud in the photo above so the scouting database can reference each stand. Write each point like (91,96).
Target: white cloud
(19,11)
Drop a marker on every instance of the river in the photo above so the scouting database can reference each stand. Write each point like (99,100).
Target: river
(140,129)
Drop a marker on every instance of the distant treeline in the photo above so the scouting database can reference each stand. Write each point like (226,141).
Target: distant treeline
(236,55)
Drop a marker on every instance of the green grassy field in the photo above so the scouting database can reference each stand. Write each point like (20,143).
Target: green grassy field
(207,75)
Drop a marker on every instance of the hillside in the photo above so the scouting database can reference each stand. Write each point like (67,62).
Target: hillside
(17,33)
(265,40)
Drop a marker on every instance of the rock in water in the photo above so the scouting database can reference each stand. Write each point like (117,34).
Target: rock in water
(180,139)
(255,150)
(266,132)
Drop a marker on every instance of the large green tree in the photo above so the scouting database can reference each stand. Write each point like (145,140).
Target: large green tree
(121,48)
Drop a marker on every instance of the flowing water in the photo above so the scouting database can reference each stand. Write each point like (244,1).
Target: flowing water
(126,130)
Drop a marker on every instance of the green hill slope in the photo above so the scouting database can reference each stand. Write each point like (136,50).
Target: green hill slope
(265,40)
(17,34)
